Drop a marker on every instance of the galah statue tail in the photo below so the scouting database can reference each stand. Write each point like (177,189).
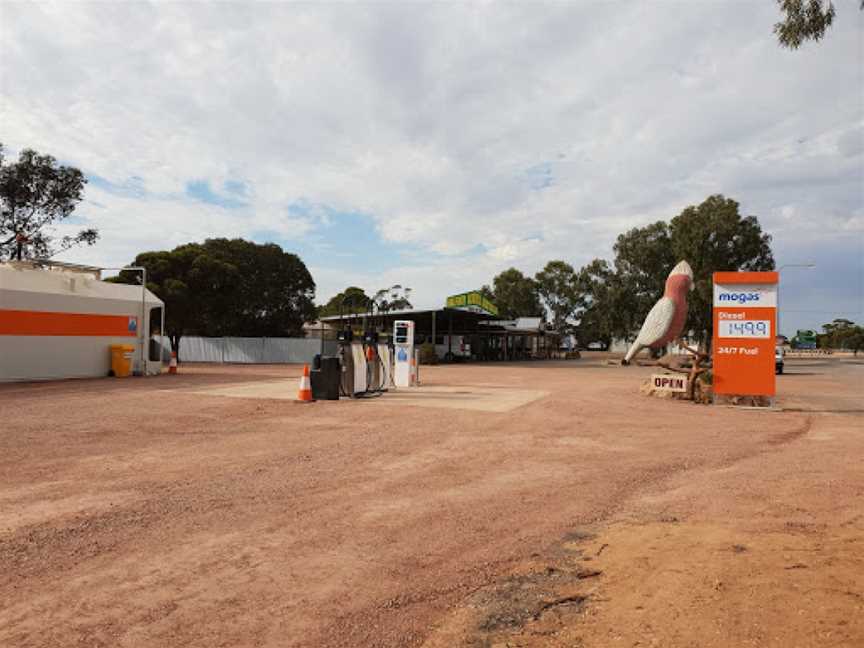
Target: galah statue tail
(666,319)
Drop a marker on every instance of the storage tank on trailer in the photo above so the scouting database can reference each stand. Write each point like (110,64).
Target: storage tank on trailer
(60,322)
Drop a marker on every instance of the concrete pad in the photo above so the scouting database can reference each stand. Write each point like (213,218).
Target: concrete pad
(466,397)
(278,389)
(482,398)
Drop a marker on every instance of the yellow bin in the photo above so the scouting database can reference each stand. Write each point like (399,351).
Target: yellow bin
(121,359)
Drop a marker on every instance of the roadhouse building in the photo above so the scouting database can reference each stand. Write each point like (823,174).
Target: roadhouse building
(467,328)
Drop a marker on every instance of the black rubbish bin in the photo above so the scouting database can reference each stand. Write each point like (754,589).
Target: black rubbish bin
(325,380)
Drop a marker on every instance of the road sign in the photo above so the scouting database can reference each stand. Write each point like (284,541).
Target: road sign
(745,329)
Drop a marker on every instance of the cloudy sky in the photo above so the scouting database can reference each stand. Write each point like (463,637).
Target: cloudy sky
(434,145)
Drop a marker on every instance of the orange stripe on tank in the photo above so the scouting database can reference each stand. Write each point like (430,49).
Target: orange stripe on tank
(22,322)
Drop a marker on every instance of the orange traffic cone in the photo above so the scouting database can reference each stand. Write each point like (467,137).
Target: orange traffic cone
(304,394)
(172,366)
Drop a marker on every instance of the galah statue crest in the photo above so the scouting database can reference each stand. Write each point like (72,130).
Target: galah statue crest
(665,321)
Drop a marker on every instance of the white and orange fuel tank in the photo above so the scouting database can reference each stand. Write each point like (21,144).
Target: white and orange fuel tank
(60,323)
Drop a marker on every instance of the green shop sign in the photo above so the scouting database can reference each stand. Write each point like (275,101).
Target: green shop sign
(472,301)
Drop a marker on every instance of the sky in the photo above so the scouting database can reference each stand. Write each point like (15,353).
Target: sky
(435,145)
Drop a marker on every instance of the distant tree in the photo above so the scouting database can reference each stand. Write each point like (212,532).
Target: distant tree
(228,287)
(593,283)
(711,236)
(556,284)
(273,295)
(714,237)
(643,258)
(607,305)
(855,341)
(515,295)
(842,334)
(488,293)
(392,299)
(350,300)
(35,194)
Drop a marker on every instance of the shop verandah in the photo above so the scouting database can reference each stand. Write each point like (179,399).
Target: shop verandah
(453,335)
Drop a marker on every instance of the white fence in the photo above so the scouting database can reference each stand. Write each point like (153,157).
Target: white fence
(253,350)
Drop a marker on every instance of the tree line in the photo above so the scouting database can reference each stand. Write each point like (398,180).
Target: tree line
(606,300)
(841,334)
(354,300)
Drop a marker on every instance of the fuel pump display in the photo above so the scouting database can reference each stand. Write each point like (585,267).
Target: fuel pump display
(403,350)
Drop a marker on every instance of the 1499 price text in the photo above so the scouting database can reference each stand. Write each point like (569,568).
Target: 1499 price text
(745,329)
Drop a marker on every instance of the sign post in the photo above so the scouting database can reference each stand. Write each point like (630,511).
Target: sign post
(745,333)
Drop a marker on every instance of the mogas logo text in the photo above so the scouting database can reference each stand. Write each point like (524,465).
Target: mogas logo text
(740,297)
(745,296)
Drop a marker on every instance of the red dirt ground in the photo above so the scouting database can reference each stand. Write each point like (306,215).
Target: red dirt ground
(138,513)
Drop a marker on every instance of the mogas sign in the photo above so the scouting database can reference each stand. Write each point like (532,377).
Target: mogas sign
(745,294)
(745,321)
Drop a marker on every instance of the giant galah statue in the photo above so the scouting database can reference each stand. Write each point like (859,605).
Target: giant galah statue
(666,319)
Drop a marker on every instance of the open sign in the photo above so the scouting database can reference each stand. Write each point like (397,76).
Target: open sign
(668,382)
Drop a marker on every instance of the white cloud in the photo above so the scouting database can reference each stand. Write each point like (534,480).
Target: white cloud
(537,130)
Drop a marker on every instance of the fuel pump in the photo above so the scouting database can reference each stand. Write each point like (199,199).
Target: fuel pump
(374,373)
(346,361)
(385,357)
(358,364)
(403,350)
(367,360)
